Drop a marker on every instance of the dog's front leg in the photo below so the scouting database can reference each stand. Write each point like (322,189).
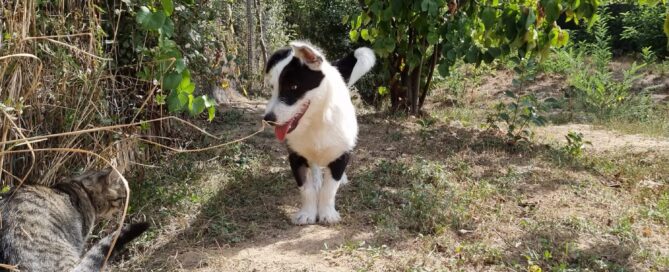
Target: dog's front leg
(309,187)
(334,176)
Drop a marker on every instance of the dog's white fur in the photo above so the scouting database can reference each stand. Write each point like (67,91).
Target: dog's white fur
(327,129)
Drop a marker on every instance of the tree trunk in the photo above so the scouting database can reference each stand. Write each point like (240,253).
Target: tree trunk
(249,46)
(261,32)
(428,80)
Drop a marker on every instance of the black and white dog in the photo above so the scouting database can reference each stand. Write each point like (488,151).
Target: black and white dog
(311,109)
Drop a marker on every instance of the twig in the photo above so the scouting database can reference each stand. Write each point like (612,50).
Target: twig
(25,55)
(264,124)
(57,36)
(77,49)
(110,128)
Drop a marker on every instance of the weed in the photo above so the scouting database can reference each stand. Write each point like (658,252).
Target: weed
(648,56)
(524,110)
(662,211)
(598,92)
(575,144)
(623,229)
(561,62)
(517,115)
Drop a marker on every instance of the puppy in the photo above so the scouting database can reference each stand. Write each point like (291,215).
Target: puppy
(311,110)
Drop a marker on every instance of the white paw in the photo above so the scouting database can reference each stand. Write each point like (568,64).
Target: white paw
(304,217)
(329,216)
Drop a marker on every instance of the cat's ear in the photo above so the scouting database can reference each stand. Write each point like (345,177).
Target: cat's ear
(308,55)
(108,176)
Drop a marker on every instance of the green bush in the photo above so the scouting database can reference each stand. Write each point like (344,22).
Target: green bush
(632,26)
(320,22)
(643,27)
(597,89)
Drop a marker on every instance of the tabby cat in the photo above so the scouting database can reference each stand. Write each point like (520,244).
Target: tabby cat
(45,228)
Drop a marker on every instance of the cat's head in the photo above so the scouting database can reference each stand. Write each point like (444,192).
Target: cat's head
(105,190)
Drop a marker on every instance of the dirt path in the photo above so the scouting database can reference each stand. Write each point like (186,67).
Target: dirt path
(604,140)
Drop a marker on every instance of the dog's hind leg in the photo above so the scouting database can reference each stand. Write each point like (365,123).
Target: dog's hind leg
(334,176)
(308,189)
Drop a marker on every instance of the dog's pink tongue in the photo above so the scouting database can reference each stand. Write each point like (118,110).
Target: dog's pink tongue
(281,131)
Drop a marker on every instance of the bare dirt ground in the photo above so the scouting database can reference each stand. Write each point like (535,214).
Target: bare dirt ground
(606,140)
(425,195)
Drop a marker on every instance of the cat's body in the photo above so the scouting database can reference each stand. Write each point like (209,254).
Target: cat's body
(45,228)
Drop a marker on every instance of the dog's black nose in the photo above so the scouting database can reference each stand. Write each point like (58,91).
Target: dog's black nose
(270,118)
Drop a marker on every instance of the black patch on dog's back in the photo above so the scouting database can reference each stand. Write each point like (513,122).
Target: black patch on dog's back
(297,79)
(338,166)
(276,57)
(345,66)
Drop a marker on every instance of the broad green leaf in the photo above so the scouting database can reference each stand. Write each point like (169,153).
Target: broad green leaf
(488,17)
(344,19)
(172,80)
(167,30)
(160,99)
(143,15)
(211,113)
(186,85)
(176,101)
(382,90)
(365,34)
(197,106)
(432,38)
(353,34)
(180,65)
(150,20)
(472,55)
(424,5)
(551,10)
(168,6)
(444,69)
(563,38)
(209,102)
(494,52)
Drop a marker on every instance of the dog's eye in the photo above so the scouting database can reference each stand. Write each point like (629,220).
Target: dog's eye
(293,87)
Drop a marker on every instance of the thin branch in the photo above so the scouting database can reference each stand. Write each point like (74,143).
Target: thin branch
(25,55)
(110,128)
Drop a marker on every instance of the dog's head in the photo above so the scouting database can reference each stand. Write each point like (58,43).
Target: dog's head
(295,76)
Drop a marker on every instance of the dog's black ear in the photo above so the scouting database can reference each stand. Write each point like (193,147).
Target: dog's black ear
(308,55)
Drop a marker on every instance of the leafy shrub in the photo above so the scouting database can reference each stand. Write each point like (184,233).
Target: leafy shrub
(321,23)
(426,208)
(167,63)
(575,144)
(632,26)
(663,209)
(597,90)
(524,110)
(561,62)
(517,116)
(643,28)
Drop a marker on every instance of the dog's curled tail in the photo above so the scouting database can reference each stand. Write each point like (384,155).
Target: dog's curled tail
(356,65)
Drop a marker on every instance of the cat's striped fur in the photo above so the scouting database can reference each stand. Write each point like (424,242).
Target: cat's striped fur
(45,228)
